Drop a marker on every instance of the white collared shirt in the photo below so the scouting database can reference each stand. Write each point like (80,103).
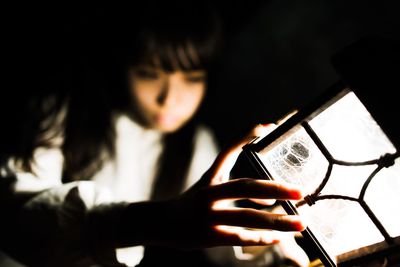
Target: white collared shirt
(127,178)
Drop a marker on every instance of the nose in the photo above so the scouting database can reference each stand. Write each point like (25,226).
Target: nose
(168,95)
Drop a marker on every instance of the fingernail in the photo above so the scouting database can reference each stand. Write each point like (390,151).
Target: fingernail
(297,221)
(296,193)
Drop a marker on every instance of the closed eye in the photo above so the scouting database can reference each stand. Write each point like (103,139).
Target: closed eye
(195,77)
(147,74)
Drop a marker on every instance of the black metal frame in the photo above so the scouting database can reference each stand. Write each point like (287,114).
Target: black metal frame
(330,96)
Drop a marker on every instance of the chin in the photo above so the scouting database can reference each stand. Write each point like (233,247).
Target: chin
(168,128)
(164,129)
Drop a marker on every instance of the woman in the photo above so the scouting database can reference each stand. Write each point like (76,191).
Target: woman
(141,150)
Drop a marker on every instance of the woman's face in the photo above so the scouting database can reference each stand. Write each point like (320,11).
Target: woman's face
(164,100)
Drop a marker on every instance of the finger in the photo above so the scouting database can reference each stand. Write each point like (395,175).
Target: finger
(252,188)
(219,171)
(225,158)
(262,130)
(238,236)
(292,250)
(257,219)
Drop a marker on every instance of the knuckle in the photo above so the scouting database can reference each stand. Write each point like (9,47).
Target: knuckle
(276,188)
(275,221)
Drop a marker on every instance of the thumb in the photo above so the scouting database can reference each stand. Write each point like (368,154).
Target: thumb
(226,160)
(223,164)
(219,171)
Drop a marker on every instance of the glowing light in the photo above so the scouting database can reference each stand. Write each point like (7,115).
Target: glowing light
(338,155)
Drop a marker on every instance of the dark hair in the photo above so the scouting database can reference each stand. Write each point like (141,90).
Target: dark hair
(178,36)
(29,105)
(96,89)
(171,35)
(31,119)
(89,132)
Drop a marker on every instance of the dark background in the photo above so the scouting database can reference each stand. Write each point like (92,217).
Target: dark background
(276,56)
(276,59)
(279,57)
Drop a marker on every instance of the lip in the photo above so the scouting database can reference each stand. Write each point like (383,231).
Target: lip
(166,119)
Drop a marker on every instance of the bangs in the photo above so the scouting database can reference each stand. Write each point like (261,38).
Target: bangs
(172,54)
(176,39)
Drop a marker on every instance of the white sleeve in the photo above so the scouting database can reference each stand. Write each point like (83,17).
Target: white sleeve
(205,151)
(46,171)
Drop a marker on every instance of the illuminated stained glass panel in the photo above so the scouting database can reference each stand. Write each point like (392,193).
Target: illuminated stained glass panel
(350,173)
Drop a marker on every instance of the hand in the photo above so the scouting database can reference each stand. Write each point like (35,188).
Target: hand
(287,246)
(198,217)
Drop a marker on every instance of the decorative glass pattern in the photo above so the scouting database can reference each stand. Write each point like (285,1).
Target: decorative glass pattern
(349,171)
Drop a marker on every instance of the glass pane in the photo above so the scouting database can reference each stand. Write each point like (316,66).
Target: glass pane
(296,159)
(383,197)
(347,180)
(340,225)
(349,132)
(350,135)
